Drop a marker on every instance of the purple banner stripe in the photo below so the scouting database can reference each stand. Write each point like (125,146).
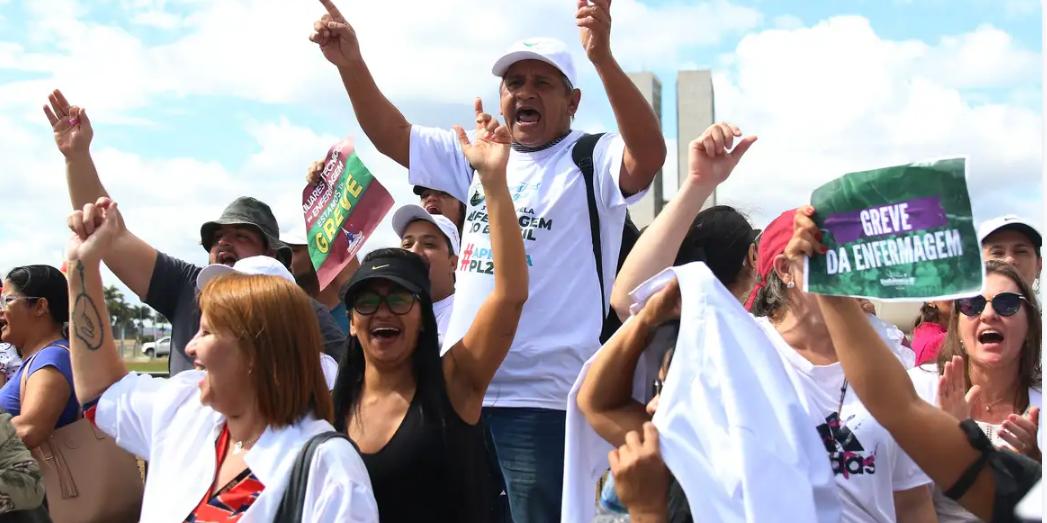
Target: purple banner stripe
(913,215)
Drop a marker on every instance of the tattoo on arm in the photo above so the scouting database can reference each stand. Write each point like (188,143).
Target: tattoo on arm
(87,322)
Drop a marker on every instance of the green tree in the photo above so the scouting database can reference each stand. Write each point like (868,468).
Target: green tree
(120,313)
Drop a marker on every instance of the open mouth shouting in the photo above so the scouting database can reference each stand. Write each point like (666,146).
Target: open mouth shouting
(527,116)
(990,338)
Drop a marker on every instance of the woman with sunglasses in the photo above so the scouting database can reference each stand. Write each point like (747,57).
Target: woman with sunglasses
(989,369)
(955,454)
(34,306)
(414,416)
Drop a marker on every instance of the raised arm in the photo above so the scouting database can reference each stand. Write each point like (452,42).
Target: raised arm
(470,365)
(930,436)
(605,396)
(130,258)
(711,162)
(96,364)
(383,123)
(639,126)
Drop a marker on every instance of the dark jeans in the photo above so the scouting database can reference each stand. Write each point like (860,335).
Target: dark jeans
(530,447)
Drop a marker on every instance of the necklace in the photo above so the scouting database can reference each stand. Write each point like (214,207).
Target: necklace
(839,412)
(238,447)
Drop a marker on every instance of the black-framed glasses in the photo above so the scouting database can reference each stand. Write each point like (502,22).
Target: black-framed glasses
(1004,303)
(398,302)
(7,299)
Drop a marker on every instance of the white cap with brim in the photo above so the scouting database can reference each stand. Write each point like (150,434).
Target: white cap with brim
(1012,222)
(254,265)
(410,213)
(549,50)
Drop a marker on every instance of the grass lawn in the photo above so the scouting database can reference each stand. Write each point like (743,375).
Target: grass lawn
(159,365)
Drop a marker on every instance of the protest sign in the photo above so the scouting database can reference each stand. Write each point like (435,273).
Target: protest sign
(902,233)
(341,211)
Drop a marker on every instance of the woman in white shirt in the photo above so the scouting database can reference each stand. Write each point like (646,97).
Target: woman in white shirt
(993,349)
(220,440)
(876,481)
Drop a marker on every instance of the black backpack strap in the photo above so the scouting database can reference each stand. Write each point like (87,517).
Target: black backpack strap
(582,154)
(292,504)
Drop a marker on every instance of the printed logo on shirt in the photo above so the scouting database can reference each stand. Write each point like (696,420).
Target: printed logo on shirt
(530,223)
(480,260)
(846,453)
(477,198)
(524,190)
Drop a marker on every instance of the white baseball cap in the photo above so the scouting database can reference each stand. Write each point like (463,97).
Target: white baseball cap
(549,50)
(1013,222)
(255,265)
(295,237)
(409,213)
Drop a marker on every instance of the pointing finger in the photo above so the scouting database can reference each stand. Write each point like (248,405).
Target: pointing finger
(333,10)
(478,106)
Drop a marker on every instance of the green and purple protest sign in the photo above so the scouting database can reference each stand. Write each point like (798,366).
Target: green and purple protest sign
(341,211)
(902,233)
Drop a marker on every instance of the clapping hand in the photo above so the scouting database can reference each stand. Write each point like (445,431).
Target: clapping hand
(72,129)
(953,396)
(490,153)
(1020,432)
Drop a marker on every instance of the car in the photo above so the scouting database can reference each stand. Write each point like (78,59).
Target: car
(161,347)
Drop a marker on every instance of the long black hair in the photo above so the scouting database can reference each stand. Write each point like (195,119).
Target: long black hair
(720,236)
(425,361)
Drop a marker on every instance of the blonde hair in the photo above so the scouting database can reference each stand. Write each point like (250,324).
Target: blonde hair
(279,335)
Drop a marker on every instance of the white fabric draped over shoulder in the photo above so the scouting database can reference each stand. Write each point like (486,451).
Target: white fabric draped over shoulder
(164,422)
(732,429)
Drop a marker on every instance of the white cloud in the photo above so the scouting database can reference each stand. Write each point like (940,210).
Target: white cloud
(836,97)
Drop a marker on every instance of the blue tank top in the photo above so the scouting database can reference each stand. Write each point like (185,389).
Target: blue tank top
(55,355)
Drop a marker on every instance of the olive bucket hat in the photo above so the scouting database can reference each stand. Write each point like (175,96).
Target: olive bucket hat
(251,212)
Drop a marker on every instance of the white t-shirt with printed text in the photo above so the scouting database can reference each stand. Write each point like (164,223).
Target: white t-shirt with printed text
(562,319)
(869,465)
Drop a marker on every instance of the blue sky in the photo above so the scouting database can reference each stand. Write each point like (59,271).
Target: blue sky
(195,102)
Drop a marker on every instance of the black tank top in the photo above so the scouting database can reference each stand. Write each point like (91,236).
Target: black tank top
(436,467)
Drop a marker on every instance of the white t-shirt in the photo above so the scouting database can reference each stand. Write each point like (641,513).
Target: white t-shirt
(925,381)
(868,464)
(561,321)
(442,310)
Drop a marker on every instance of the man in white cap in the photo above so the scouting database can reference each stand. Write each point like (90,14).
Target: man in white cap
(435,239)
(264,266)
(562,321)
(1013,240)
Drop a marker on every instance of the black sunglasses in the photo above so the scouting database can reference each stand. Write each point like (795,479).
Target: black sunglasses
(399,303)
(1004,303)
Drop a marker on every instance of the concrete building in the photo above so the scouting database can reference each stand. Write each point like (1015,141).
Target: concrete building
(694,113)
(644,211)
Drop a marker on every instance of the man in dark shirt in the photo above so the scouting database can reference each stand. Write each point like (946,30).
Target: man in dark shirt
(247,227)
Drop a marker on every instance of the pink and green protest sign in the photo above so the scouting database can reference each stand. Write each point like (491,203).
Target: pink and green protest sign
(900,233)
(341,211)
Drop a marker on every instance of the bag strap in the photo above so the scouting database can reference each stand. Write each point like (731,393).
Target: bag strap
(582,154)
(293,502)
